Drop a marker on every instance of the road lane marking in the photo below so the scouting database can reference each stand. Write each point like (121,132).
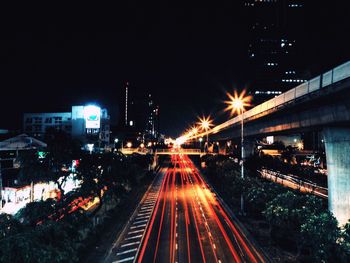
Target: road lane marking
(130,244)
(134,237)
(142,217)
(133,227)
(136,231)
(143,214)
(146,207)
(139,222)
(146,211)
(126,251)
(124,260)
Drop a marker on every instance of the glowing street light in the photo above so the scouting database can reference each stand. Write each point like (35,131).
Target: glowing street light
(90,147)
(236,103)
(200,143)
(205,123)
(129,144)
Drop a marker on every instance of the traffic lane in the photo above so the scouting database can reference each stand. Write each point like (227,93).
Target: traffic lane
(177,235)
(220,247)
(240,242)
(158,238)
(193,238)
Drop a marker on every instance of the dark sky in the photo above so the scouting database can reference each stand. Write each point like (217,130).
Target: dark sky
(52,57)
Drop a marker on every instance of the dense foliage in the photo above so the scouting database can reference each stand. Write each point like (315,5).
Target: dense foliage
(297,222)
(55,230)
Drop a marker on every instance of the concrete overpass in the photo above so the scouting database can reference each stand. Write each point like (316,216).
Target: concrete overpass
(320,104)
(173,151)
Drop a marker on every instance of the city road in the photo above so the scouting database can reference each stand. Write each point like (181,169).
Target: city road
(189,224)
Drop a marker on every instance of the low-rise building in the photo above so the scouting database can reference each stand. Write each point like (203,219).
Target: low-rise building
(90,124)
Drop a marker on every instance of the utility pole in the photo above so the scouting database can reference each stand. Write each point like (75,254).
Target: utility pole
(0,187)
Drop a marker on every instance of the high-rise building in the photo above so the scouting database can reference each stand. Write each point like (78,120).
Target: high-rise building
(141,115)
(274,28)
(152,125)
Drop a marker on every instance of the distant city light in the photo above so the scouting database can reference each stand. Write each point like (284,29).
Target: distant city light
(90,147)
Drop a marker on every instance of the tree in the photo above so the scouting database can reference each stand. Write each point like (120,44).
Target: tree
(345,241)
(49,242)
(36,212)
(32,169)
(320,233)
(9,226)
(62,150)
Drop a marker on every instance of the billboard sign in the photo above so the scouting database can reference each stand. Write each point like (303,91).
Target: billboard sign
(92,116)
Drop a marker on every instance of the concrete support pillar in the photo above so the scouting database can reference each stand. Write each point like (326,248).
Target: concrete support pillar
(249,147)
(155,162)
(337,144)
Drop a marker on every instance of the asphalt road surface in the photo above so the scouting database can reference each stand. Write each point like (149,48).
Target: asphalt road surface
(189,224)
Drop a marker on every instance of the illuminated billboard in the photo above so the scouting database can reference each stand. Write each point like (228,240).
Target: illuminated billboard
(92,116)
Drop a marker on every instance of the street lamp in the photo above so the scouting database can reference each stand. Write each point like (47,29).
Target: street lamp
(200,143)
(205,124)
(236,103)
(116,140)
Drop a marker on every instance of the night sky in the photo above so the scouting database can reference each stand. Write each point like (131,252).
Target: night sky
(186,56)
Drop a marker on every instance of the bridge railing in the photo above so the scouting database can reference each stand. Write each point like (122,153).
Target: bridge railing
(330,77)
(176,151)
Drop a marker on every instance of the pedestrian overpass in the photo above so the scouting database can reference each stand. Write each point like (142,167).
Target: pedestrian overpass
(172,151)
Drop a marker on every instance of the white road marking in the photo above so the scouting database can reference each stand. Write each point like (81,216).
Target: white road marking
(136,231)
(134,237)
(127,251)
(142,217)
(133,227)
(139,222)
(124,260)
(130,244)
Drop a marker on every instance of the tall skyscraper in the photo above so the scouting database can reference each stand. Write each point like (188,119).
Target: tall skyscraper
(274,27)
(141,115)
(126,102)
(152,125)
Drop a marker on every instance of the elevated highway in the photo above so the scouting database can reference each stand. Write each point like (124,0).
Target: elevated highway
(320,104)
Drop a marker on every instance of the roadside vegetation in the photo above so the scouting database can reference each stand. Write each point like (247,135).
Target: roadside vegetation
(291,226)
(63,229)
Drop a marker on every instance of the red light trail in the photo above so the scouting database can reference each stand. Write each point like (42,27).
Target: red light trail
(189,224)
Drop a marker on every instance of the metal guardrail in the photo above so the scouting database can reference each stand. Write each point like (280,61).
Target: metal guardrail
(305,185)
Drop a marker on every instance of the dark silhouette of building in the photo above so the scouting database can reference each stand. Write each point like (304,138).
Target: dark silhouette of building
(141,116)
(274,56)
(152,125)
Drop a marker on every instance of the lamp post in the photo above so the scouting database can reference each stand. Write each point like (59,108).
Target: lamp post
(237,104)
(116,140)
(205,124)
(0,188)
